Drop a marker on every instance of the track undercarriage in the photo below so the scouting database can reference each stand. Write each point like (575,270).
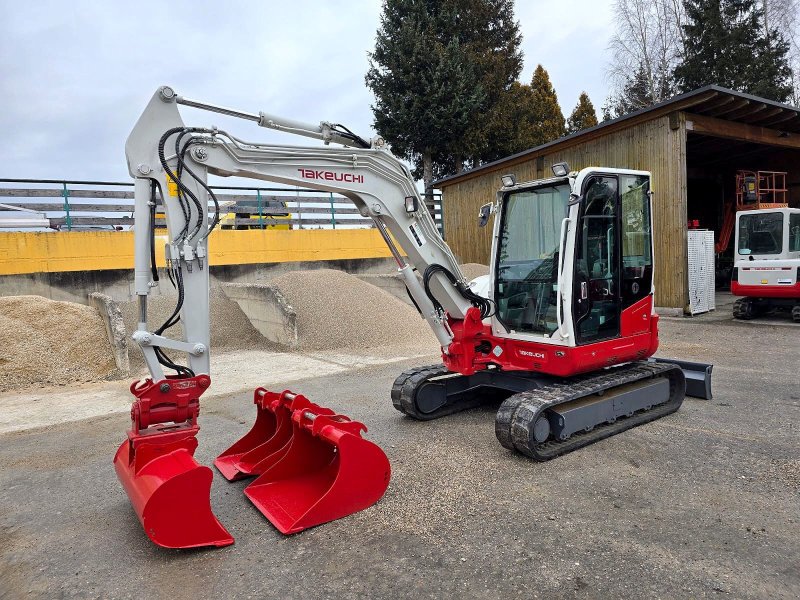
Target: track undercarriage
(544,417)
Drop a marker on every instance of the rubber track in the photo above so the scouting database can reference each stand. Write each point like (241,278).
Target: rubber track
(517,414)
(405,388)
(741,311)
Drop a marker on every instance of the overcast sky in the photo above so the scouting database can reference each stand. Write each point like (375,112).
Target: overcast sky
(75,75)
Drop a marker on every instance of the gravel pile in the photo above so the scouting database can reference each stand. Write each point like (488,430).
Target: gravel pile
(473,270)
(336,310)
(46,342)
(230,327)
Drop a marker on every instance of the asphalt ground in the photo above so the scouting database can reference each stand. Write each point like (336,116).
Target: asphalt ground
(704,503)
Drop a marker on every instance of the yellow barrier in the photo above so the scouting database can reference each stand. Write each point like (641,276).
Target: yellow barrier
(48,252)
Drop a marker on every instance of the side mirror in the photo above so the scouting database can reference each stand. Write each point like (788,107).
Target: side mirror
(484,214)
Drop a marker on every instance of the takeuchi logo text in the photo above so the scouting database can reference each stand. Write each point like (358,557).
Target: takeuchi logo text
(331,176)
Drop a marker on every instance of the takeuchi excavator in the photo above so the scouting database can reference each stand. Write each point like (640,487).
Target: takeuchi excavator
(561,333)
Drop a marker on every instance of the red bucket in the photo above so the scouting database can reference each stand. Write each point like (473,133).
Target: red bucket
(328,472)
(168,489)
(269,438)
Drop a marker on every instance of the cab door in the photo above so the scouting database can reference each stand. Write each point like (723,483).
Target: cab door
(596,293)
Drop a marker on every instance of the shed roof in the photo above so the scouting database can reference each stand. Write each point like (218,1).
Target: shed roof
(711,100)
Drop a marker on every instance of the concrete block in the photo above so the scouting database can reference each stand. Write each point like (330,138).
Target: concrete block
(267,309)
(115,330)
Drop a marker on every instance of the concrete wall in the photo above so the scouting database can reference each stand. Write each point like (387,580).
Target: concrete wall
(75,286)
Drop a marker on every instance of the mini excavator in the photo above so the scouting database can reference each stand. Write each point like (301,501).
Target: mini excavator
(561,332)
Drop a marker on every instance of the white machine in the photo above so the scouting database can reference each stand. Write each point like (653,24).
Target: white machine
(766,270)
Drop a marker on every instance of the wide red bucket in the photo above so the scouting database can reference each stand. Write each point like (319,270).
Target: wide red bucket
(169,491)
(328,472)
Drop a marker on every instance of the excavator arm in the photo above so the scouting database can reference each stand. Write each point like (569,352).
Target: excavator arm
(164,153)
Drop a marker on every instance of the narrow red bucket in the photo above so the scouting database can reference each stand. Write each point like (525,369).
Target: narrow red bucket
(269,438)
(264,429)
(168,489)
(328,472)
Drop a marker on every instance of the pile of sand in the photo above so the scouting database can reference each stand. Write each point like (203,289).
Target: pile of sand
(49,342)
(230,327)
(336,310)
(473,270)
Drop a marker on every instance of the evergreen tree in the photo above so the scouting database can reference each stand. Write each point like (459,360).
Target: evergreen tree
(584,115)
(635,95)
(512,123)
(491,36)
(438,68)
(727,44)
(548,119)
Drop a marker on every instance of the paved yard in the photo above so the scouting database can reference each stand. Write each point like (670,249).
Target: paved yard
(704,503)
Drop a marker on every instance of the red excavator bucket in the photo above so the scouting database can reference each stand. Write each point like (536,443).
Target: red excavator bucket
(328,471)
(269,438)
(168,489)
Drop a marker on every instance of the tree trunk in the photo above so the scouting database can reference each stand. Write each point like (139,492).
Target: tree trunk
(459,164)
(427,178)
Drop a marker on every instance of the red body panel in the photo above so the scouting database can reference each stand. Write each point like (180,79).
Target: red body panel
(638,340)
(766,291)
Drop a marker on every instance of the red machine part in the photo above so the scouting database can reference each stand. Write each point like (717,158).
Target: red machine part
(766,291)
(168,489)
(638,340)
(313,465)
(269,437)
(327,472)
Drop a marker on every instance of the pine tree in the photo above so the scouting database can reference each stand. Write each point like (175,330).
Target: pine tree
(547,116)
(725,44)
(438,68)
(584,115)
(492,34)
(512,123)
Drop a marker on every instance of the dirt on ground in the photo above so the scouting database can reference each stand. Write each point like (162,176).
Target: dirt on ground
(336,310)
(46,342)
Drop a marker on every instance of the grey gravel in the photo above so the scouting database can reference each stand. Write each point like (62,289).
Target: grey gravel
(336,310)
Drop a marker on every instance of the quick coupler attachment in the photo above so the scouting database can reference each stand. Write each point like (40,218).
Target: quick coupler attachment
(168,489)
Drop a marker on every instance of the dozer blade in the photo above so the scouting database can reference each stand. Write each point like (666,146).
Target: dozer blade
(328,472)
(169,491)
(268,440)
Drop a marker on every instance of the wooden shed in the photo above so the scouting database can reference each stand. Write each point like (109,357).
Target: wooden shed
(694,145)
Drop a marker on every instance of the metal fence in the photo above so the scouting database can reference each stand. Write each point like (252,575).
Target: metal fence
(92,205)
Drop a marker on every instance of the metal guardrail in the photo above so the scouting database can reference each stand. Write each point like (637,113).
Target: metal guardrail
(241,207)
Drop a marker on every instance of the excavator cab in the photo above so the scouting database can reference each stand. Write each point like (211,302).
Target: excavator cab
(573,256)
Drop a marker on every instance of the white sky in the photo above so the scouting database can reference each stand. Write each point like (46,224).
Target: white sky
(75,75)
